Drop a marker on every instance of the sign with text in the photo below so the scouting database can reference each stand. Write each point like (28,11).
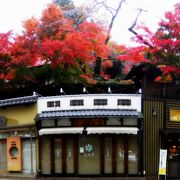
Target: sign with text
(14,161)
(162,161)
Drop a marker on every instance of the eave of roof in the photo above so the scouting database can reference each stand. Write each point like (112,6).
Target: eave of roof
(88,113)
(18,101)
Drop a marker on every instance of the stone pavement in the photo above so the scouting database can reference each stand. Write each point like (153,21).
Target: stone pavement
(74,178)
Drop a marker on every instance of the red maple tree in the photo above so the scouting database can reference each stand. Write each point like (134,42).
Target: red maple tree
(54,40)
(164,45)
(6,71)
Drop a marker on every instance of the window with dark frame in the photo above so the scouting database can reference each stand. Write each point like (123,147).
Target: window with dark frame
(57,104)
(50,104)
(53,104)
(77,102)
(174,114)
(124,102)
(100,102)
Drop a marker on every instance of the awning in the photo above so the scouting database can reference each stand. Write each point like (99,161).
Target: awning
(89,130)
(71,130)
(112,130)
(89,113)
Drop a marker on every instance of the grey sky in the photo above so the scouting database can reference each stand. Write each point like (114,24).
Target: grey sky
(12,13)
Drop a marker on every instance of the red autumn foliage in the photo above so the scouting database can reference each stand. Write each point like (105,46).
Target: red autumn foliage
(134,54)
(60,43)
(164,44)
(54,40)
(6,72)
(23,52)
(107,64)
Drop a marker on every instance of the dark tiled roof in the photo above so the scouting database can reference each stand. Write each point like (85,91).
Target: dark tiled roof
(88,113)
(18,101)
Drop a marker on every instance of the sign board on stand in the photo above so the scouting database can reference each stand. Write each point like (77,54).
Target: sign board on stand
(162,162)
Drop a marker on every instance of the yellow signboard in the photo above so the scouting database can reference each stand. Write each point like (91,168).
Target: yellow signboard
(162,171)
(162,161)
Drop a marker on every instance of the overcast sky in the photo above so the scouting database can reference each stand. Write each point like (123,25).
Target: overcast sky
(13,12)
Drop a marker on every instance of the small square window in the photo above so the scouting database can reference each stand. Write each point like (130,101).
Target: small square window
(57,104)
(50,104)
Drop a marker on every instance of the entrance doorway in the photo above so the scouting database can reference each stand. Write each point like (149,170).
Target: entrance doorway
(174,157)
(57,155)
(89,155)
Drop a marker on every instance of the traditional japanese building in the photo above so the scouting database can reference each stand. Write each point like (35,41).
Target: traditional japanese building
(18,136)
(162,128)
(90,135)
(161,123)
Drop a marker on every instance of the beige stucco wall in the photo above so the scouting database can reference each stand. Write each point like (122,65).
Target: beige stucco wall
(19,115)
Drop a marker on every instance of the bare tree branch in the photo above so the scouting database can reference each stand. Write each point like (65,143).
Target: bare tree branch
(131,29)
(113,11)
(135,22)
(114,14)
(108,8)
(112,20)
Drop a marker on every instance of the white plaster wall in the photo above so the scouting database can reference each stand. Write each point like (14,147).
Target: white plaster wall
(89,102)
